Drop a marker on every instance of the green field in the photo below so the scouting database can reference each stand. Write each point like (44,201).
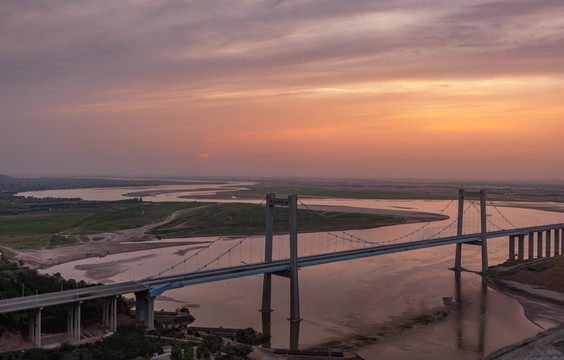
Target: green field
(38,223)
(29,224)
(218,219)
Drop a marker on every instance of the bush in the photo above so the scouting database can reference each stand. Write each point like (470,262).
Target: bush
(246,336)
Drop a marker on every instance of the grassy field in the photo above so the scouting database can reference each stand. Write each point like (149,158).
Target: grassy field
(42,228)
(218,219)
(45,223)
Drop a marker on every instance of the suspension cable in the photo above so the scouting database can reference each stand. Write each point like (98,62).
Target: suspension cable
(210,244)
(240,242)
(421,228)
(500,213)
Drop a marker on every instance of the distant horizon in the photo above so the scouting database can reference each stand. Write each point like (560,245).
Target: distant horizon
(476,182)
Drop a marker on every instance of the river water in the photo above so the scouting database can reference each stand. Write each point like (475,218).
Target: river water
(386,307)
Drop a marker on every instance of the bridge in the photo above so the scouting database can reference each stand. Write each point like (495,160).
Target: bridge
(147,289)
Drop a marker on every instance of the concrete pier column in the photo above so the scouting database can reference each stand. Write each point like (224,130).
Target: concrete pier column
(266,325)
(562,241)
(113,313)
(531,245)
(73,320)
(70,319)
(483,226)
(145,308)
(77,320)
(521,247)
(294,334)
(268,235)
(556,242)
(35,326)
(150,312)
(106,311)
(140,305)
(294,288)
(539,244)
(548,232)
(511,247)
(459,229)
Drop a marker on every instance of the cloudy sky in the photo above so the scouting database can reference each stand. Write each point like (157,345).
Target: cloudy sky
(326,88)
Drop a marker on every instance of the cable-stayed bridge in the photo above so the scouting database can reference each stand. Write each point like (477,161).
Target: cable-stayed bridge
(254,245)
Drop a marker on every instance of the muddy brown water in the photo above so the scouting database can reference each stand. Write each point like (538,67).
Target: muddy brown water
(396,306)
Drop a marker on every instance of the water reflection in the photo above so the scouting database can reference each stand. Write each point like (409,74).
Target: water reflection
(266,321)
(294,334)
(266,327)
(483,308)
(458,313)
(461,313)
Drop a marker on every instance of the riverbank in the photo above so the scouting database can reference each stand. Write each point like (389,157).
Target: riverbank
(538,285)
(545,345)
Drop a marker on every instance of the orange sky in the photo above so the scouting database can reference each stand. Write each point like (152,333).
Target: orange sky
(470,90)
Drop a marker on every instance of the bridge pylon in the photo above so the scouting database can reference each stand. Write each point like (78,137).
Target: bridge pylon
(483,242)
(292,203)
(268,235)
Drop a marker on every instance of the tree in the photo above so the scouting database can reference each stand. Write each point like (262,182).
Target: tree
(212,342)
(246,336)
(176,353)
(188,353)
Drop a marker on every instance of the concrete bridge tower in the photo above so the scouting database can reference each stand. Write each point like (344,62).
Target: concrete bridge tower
(483,242)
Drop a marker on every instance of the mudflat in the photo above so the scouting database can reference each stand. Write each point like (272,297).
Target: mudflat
(538,285)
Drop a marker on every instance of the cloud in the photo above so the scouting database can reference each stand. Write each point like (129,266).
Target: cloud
(182,72)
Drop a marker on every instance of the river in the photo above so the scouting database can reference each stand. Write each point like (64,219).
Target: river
(387,307)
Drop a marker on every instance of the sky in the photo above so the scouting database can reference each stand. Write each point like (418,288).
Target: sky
(306,88)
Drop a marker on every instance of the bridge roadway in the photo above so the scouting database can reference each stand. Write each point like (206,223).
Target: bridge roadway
(159,285)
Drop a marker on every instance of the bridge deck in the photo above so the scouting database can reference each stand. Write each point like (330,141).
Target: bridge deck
(159,285)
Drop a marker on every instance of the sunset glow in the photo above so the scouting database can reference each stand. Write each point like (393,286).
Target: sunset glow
(463,90)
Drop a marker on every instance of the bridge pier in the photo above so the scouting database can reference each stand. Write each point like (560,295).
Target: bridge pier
(562,241)
(511,247)
(35,326)
(73,320)
(294,334)
(521,247)
(266,322)
(105,312)
(109,312)
(548,233)
(531,245)
(539,244)
(556,242)
(145,308)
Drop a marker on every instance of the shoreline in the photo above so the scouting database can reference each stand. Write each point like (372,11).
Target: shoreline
(542,307)
(537,285)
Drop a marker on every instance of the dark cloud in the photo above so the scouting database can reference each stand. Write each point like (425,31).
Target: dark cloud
(108,43)
(502,11)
